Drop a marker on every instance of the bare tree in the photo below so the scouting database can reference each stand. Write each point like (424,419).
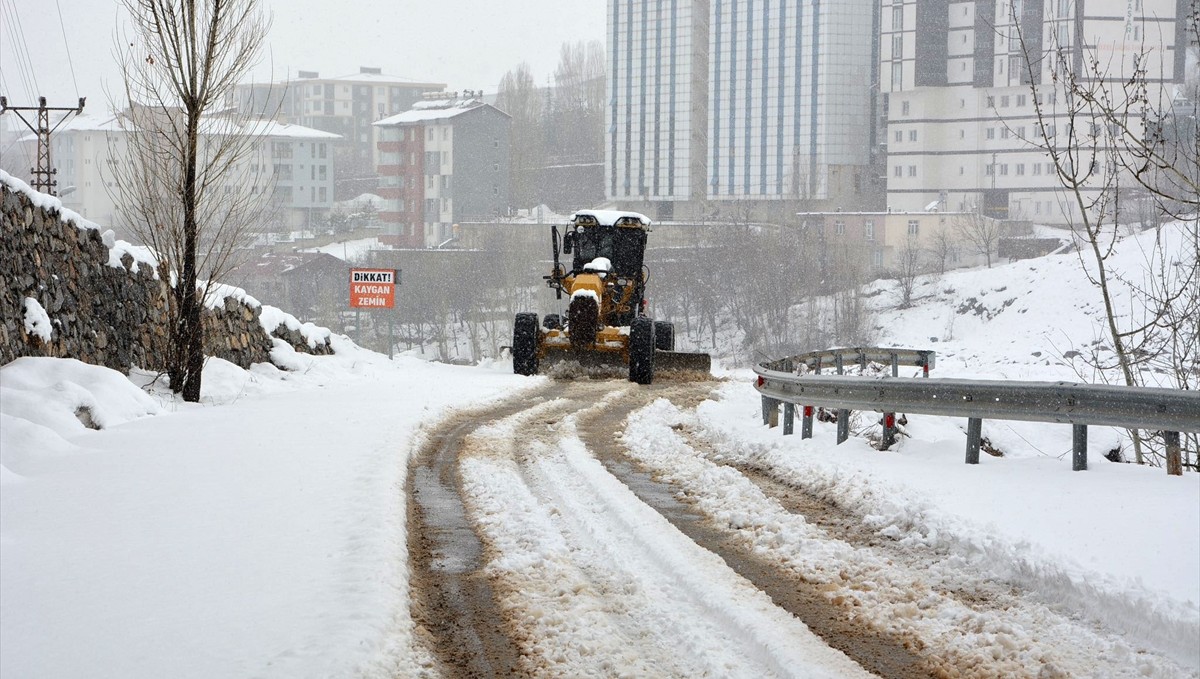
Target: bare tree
(179,190)
(980,232)
(944,249)
(1102,125)
(518,96)
(576,117)
(909,264)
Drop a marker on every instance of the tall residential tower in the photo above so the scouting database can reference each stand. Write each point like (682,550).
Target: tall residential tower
(960,78)
(757,107)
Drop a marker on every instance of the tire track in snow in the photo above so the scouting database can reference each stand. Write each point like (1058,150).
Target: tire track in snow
(601,584)
(965,628)
(877,652)
(452,603)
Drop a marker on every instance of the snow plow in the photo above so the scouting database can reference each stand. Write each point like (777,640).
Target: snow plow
(605,327)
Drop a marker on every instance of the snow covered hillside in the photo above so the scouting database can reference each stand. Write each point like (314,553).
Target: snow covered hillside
(265,532)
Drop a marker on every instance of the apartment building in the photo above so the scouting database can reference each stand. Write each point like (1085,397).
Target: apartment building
(960,79)
(880,239)
(723,106)
(443,162)
(292,169)
(345,105)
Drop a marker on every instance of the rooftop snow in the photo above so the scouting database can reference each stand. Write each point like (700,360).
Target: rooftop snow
(418,115)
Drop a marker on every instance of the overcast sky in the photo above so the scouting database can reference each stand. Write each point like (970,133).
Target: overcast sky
(467,44)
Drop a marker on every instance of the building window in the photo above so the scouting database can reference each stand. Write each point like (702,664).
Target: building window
(897,18)
(877,258)
(991,133)
(912,135)
(904,107)
(839,228)
(914,227)
(899,135)
(897,171)
(912,170)
(1004,169)
(991,102)
(1020,169)
(322,194)
(869,229)
(1004,101)
(1020,100)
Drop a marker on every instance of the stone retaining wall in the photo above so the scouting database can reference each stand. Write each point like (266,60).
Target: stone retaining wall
(116,316)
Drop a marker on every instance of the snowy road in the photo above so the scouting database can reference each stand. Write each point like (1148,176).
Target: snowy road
(601,529)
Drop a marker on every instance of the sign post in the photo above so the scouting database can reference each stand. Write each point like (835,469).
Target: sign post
(374,289)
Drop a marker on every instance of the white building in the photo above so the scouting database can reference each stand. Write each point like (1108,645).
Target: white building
(739,101)
(960,112)
(292,169)
(346,105)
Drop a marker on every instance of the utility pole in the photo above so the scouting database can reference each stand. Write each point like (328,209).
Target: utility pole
(43,174)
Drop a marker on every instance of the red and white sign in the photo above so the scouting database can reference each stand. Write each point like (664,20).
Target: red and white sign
(372,288)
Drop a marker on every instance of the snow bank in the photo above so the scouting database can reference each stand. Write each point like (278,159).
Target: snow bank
(259,533)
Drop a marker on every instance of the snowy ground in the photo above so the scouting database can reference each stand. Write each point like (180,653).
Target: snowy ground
(261,533)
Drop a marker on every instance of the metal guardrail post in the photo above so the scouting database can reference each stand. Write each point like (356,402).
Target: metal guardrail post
(806,423)
(789,415)
(1079,447)
(843,424)
(895,365)
(773,413)
(766,405)
(974,436)
(889,430)
(838,361)
(1174,459)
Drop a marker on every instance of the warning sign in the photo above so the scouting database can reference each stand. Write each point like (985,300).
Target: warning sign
(373,288)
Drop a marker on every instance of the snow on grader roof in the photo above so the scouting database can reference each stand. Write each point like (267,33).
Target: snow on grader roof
(610,218)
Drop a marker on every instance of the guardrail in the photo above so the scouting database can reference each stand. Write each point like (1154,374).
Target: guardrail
(1168,410)
(837,359)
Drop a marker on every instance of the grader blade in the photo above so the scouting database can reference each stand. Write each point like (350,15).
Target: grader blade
(682,365)
(572,364)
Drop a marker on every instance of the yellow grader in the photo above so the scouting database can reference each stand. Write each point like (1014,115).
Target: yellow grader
(605,324)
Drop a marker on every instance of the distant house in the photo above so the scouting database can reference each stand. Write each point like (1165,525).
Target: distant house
(313,286)
(879,237)
(443,162)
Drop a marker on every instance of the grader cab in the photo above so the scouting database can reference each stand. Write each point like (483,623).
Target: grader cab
(605,323)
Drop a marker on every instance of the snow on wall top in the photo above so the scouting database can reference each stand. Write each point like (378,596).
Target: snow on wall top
(47,202)
(117,249)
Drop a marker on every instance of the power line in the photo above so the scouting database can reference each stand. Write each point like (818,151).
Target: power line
(67,45)
(20,55)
